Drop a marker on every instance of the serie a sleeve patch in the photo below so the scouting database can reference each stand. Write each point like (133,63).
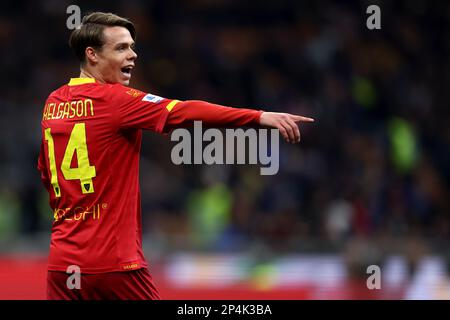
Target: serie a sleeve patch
(152,98)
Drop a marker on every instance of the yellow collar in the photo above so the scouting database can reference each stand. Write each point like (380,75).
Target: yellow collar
(78,81)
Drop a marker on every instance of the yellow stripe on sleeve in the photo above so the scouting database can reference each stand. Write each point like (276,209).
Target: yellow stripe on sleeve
(172,104)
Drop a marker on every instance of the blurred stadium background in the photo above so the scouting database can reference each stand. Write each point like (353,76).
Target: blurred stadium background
(369,184)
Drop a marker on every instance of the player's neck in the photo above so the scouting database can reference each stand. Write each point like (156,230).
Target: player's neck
(87,74)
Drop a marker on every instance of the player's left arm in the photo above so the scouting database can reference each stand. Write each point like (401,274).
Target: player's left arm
(42,167)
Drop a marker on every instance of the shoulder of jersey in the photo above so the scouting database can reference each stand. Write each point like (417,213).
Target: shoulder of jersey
(127,91)
(138,94)
(66,86)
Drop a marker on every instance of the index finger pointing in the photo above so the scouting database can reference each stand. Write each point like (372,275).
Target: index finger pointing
(300,118)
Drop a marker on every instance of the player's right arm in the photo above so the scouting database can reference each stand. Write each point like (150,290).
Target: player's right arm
(184,113)
(136,109)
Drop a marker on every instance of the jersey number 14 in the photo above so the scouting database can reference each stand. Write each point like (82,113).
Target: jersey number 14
(77,144)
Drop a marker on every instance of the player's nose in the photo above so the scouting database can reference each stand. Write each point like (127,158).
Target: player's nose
(133,55)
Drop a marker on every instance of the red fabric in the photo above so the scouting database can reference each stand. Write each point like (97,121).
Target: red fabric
(101,231)
(132,285)
(185,113)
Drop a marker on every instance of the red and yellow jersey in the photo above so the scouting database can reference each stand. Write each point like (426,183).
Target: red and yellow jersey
(89,163)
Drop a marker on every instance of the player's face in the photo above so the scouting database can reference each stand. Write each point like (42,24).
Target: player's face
(116,58)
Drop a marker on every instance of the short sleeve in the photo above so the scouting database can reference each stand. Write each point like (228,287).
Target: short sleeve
(135,109)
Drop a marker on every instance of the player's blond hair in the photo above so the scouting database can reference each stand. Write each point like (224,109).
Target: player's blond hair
(90,33)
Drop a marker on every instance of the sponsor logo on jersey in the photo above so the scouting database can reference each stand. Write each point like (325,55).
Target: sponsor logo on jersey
(134,93)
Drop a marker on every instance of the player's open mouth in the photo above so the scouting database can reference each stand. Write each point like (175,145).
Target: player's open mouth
(126,71)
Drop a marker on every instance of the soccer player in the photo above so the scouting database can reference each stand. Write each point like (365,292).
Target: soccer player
(89,162)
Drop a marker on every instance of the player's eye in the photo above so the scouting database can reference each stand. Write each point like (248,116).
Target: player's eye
(121,48)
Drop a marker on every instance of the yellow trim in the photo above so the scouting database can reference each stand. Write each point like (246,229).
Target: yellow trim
(171,105)
(78,81)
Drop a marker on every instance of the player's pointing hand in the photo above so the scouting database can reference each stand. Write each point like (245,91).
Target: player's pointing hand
(286,123)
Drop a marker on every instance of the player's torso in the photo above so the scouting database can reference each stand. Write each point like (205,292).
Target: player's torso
(94,176)
(78,130)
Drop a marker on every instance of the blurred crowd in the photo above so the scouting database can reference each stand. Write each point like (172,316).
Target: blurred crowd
(374,165)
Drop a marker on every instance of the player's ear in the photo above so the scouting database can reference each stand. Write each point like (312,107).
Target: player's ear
(91,55)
